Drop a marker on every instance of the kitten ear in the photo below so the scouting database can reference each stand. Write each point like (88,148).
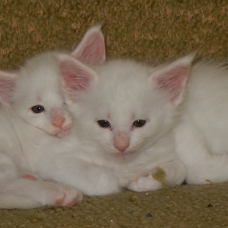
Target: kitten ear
(172,78)
(76,76)
(91,49)
(7,87)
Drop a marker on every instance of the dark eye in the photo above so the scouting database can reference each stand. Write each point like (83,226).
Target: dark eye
(104,123)
(37,108)
(139,123)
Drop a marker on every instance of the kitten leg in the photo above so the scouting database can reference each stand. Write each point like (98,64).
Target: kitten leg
(172,173)
(91,179)
(19,191)
(201,165)
(213,168)
(12,201)
(34,193)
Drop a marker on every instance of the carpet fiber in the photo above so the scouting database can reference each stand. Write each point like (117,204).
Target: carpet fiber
(147,30)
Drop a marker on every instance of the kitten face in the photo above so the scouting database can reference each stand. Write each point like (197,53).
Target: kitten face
(123,111)
(39,99)
(39,91)
(126,106)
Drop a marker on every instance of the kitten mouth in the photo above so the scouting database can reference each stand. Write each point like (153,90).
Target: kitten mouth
(124,154)
(60,133)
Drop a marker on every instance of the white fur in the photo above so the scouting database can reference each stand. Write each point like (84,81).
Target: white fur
(120,91)
(95,160)
(38,82)
(28,139)
(198,118)
(41,85)
(92,159)
(86,158)
(202,129)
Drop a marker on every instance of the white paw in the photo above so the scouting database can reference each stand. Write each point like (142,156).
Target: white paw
(145,183)
(61,195)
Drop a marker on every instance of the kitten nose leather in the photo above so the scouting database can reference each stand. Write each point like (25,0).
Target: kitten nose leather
(57,118)
(121,141)
(58,122)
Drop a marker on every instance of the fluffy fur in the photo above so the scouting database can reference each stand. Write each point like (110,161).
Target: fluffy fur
(177,100)
(108,125)
(202,126)
(34,115)
(38,168)
(117,149)
(184,109)
(35,85)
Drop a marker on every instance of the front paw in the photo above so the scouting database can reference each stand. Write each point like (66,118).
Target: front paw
(154,180)
(61,195)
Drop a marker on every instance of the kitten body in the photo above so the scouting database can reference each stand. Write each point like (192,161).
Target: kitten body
(202,127)
(124,151)
(97,160)
(34,116)
(135,118)
(35,85)
(132,118)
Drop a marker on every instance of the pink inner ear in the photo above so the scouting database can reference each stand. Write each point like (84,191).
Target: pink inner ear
(76,79)
(7,86)
(93,51)
(173,80)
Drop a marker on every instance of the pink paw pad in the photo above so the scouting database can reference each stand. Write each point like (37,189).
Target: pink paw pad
(74,201)
(60,200)
(65,199)
(29,176)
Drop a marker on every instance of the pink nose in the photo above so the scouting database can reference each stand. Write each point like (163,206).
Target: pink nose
(58,121)
(121,141)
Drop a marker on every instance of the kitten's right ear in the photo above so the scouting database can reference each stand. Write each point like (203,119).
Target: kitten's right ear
(76,76)
(91,49)
(172,78)
(7,87)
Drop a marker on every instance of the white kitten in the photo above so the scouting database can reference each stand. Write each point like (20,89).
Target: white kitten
(195,112)
(120,133)
(127,115)
(32,107)
(124,113)
(33,110)
(202,128)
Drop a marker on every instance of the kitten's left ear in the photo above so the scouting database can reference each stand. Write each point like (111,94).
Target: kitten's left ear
(91,49)
(172,78)
(76,76)
(7,87)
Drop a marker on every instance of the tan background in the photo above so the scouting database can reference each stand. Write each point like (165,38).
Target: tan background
(148,30)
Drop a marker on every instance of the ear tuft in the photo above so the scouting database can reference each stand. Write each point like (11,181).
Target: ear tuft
(172,78)
(91,49)
(76,76)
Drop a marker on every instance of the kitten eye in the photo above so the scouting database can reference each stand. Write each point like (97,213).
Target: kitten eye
(37,108)
(104,123)
(139,123)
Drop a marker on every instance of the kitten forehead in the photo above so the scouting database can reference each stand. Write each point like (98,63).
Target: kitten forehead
(42,71)
(126,82)
(42,67)
(40,80)
(128,93)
